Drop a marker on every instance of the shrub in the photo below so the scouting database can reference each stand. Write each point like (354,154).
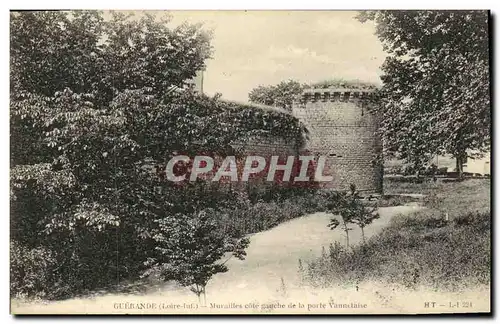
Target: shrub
(32,272)
(245,216)
(351,210)
(395,200)
(199,256)
(87,165)
(478,220)
(394,169)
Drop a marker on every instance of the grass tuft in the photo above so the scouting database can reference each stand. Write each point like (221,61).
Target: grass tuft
(444,246)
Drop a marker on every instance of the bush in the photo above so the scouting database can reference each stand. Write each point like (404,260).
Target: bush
(32,272)
(394,169)
(245,216)
(83,165)
(478,220)
(395,200)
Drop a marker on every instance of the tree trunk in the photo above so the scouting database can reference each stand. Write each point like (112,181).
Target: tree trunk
(363,234)
(346,230)
(460,164)
(198,293)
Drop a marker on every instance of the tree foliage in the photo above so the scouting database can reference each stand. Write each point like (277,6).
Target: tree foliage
(285,93)
(281,95)
(342,83)
(191,253)
(80,50)
(94,108)
(435,97)
(352,210)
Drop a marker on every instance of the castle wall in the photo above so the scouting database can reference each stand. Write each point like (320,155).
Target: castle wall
(267,146)
(342,127)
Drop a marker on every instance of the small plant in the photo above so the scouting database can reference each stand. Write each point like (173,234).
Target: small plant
(283,290)
(191,248)
(301,271)
(352,211)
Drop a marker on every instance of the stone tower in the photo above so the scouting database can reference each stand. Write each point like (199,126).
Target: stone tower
(343,128)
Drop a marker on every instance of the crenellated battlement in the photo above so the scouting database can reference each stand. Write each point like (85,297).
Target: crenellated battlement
(336,94)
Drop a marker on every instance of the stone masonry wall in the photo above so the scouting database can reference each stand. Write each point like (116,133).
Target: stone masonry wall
(267,146)
(342,127)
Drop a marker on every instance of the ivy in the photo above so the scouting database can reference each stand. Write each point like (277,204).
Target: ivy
(90,120)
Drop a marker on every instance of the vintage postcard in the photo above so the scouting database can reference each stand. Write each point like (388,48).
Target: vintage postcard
(250,162)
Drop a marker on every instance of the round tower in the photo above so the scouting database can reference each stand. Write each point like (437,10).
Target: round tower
(343,128)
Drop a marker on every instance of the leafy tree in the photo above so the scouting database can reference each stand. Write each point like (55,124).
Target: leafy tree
(285,93)
(79,50)
(435,97)
(363,215)
(352,211)
(79,136)
(281,95)
(90,119)
(341,207)
(191,248)
(54,50)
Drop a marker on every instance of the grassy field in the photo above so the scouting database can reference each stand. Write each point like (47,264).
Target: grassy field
(454,198)
(446,245)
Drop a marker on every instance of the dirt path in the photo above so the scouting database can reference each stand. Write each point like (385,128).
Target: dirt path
(275,254)
(267,281)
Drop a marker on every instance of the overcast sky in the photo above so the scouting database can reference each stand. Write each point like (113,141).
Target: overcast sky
(266,47)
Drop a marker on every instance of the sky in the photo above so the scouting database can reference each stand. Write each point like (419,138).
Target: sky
(265,47)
